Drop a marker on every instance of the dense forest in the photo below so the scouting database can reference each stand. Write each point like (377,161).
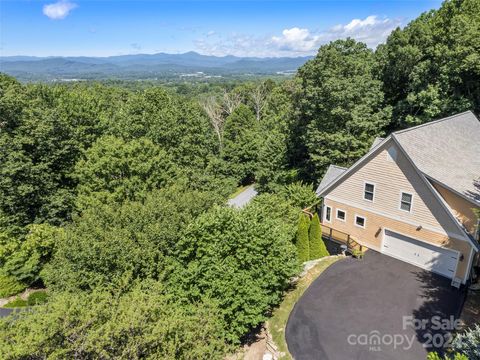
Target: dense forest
(114,198)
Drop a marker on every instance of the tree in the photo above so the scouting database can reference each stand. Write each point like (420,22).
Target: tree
(113,246)
(259,97)
(26,262)
(303,249)
(144,323)
(241,139)
(214,111)
(231,101)
(317,246)
(117,170)
(431,68)
(242,259)
(340,107)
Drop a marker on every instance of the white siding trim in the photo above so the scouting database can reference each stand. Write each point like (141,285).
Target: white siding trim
(469,266)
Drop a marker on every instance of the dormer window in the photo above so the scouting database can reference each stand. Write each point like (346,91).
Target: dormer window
(369,192)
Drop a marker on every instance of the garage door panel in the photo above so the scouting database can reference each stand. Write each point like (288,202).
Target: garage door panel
(429,257)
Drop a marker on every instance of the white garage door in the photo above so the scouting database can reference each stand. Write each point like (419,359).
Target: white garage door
(439,260)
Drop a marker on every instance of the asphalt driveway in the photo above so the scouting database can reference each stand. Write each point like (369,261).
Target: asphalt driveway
(371,309)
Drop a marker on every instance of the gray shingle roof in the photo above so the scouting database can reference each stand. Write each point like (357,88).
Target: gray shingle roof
(332,173)
(447,151)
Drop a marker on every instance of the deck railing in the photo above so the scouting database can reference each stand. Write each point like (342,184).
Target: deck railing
(342,237)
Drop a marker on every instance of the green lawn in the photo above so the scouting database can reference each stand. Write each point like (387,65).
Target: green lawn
(278,321)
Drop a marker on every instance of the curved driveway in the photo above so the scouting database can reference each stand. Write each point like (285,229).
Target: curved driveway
(356,310)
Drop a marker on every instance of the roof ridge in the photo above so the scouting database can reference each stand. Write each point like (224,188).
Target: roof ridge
(433,122)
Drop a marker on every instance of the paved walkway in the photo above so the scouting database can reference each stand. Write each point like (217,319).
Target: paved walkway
(356,307)
(4,312)
(243,198)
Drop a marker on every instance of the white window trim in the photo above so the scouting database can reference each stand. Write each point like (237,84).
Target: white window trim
(400,202)
(364,221)
(325,217)
(374,190)
(336,215)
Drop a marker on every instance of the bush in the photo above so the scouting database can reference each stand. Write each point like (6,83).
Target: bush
(317,246)
(140,324)
(10,286)
(241,259)
(303,249)
(37,298)
(468,343)
(27,261)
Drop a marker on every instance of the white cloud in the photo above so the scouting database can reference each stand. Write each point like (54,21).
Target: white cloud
(59,10)
(298,41)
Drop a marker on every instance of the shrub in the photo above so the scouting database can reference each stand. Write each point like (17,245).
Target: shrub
(37,298)
(10,286)
(27,261)
(140,324)
(303,250)
(241,259)
(468,343)
(317,246)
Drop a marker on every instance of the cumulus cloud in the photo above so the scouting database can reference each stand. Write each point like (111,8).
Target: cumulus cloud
(298,41)
(58,10)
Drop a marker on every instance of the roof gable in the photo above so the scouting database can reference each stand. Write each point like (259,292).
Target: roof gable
(448,152)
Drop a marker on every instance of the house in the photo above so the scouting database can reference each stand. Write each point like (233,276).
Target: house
(412,196)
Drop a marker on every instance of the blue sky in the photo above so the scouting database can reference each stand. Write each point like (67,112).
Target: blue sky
(243,28)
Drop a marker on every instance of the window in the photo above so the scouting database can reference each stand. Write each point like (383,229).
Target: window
(369,191)
(341,215)
(328,214)
(406,201)
(360,221)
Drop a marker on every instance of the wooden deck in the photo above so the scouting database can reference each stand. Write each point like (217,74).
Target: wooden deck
(342,237)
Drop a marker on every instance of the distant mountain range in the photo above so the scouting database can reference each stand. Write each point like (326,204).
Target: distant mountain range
(144,66)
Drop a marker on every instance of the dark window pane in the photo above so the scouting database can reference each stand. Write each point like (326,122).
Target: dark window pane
(369,187)
(360,221)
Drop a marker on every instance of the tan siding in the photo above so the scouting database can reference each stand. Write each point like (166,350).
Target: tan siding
(390,179)
(461,208)
(372,235)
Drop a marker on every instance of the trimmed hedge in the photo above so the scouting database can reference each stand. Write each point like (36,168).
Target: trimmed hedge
(317,246)
(303,247)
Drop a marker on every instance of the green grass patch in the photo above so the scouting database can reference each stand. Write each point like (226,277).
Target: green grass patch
(278,321)
(37,298)
(239,190)
(16,303)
